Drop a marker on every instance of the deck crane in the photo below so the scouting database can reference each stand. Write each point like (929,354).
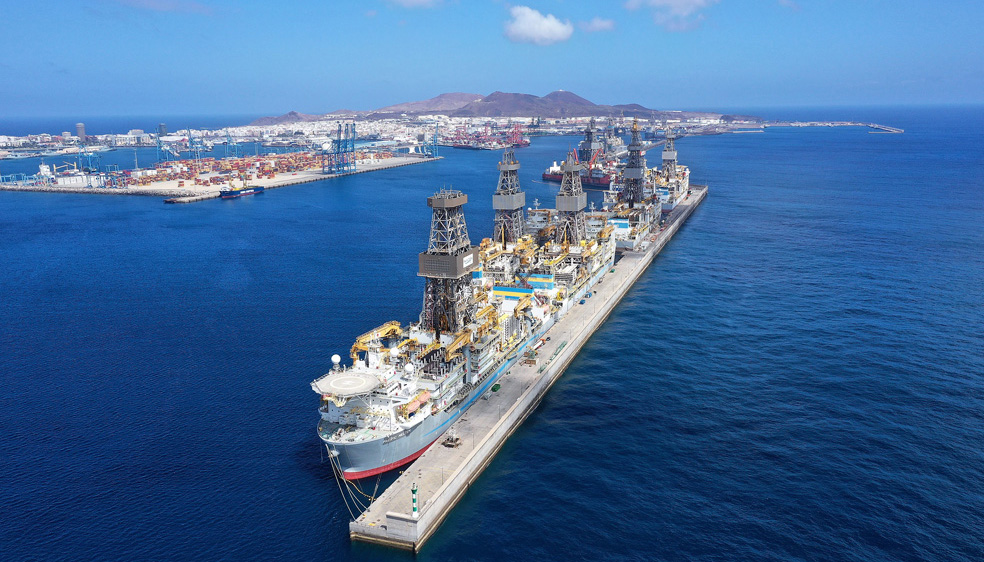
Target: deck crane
(593,158)
(463,338)
(387,330)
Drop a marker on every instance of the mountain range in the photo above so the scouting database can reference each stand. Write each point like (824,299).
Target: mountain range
(557,104)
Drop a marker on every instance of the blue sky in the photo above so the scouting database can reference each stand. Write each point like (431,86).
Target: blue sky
(139,57)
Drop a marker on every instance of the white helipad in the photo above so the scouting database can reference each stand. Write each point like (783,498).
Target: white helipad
(346,384)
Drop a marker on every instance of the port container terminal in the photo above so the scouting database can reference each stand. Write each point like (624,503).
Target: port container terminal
(187,181)
(197,178)
(410,510)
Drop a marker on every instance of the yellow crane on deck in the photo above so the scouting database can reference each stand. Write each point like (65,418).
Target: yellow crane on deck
(387,330)
(464,338)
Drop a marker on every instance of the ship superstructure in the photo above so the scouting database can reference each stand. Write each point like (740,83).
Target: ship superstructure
(591,144)
(614,145)
(485,307)
(635,169)
(599,156)
(570,204)
(508,201)
(633,204)
(672,183)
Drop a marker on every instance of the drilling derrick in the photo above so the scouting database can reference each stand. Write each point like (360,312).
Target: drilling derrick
(447,265)
(670,157)
(635,169)
(587,148)
(508,201)
(571,201)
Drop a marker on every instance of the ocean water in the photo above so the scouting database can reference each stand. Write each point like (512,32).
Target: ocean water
(799,375)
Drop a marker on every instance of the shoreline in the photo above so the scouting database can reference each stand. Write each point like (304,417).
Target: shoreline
(171,189)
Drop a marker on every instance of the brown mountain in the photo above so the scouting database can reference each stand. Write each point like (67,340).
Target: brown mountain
(292,117)
(501,104)
(567,99)
(505,104)
(555,104)
(440,104)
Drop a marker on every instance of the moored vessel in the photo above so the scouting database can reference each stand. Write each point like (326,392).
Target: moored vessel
(234,192)
(485,308)
(600,155)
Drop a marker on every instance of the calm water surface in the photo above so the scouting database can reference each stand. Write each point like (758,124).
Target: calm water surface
(799,376)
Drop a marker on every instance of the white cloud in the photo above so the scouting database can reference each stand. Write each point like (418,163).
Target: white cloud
(530,26)
(791,4)
(371,13)
(597,24)
(674,15)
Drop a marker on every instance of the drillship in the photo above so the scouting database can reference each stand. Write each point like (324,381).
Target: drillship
(485,308)
(599,153)
(671,184)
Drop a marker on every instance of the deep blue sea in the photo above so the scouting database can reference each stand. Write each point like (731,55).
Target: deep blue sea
(798,376)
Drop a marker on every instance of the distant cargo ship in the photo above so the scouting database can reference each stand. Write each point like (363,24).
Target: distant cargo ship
(240,191)
(494,144)
(596,176)
(600,155)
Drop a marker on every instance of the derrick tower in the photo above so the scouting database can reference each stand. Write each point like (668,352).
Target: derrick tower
(670,156)
(508,201)
(571,201)
(447,265)
(635,168)
(586,148)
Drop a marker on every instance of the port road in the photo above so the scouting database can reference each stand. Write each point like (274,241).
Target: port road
(443,474)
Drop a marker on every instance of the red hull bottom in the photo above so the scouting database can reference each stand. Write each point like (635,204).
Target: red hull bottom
(372,472)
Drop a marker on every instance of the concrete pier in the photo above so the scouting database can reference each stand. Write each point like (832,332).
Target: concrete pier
(193,198)
(283,180)
(875,127)
(443,475)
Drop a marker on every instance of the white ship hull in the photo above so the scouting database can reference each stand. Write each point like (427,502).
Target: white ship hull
(361,459)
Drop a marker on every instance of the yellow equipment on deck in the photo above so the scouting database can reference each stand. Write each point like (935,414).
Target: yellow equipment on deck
(387,330)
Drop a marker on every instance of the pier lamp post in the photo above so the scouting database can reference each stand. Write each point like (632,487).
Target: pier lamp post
(414,492)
